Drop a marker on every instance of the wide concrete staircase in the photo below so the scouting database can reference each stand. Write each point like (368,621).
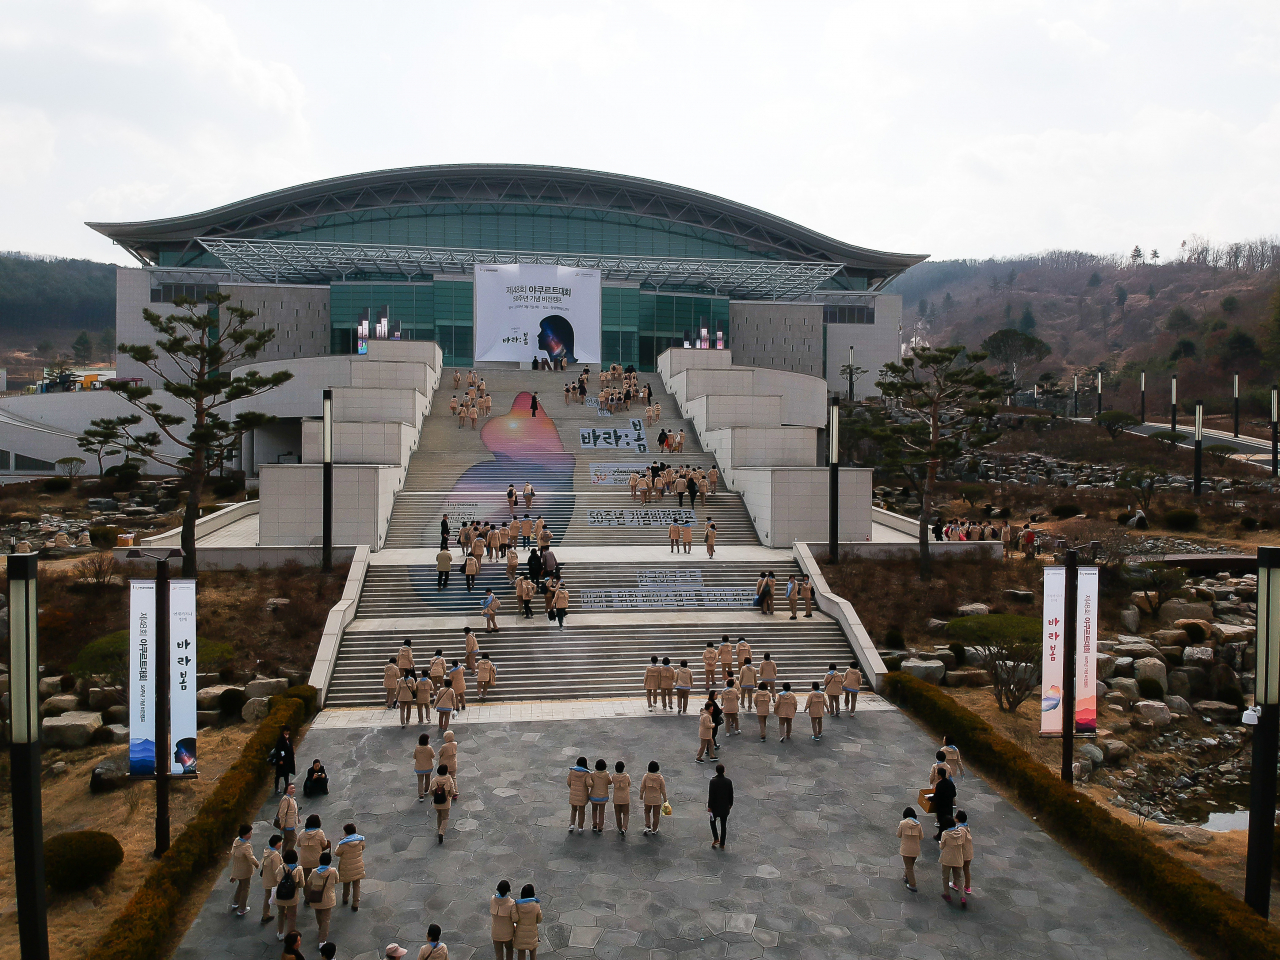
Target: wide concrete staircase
(623,609)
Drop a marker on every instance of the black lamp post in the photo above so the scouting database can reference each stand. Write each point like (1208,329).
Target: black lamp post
(1142,397)
(851,374)
(1235,393)
(1266,736)
(833,529)
(1173,405)
(1099,393)
(1075,396)
(1275,431)
(162,660)
(24,757)
(1195,490)
(1069,665)
(326,562)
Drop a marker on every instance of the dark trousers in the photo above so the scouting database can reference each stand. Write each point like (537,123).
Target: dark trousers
(442,579)
(560,615)
(281,774)
(471,581)
(528,610)
(722,834)
(680,498)
(524,541)
(945,821)
(502,549)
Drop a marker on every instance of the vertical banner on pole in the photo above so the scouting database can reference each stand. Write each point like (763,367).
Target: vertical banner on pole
(1055,591)
(142,721)
(1086,643)
(182,675)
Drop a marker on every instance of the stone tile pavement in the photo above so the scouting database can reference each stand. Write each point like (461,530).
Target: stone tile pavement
(811,871)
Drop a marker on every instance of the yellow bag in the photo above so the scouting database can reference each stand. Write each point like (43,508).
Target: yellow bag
(666,809)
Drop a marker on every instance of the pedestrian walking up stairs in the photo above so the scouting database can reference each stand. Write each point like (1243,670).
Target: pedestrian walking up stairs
(630,597)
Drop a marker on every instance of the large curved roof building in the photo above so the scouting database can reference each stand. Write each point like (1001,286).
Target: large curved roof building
(402,246)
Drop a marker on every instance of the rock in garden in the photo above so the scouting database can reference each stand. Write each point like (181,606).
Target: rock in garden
(1142,600)
(930,671)
(207,699)
(1153,668)
(1118,700)
(1126,686)
(1198,656)
(1198,631)
(1223,679)
(1170,638)
(1124,667)
(1131,619)
(49,686)
(1233,633)
(1136,649)
(1177,706)
(1171,611)
(102,697)
(109,775)
(1189,836)
(1217,710)
(119,732)
(935,626)
(1095,755)
(1155,712)
(70,730)
(967,677)
(1105,665)
(257,709)
(207,718)
(973,610)
(1179,685)
(265,688)
(117,714)
(1100,689)
(1020,596)
(56,706)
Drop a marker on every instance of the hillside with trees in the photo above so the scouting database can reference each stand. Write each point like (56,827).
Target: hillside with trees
(1205,312)
(48,302)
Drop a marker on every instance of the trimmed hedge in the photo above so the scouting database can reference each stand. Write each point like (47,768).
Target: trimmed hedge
(307,694)
(146,922)
(1214,920)
(994,628)
(80,859)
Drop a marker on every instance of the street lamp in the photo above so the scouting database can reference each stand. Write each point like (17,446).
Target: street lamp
(1235,393)
(162,660)
(1275,431)
(24,756)
(1099,393)
(833,432)
(1266,735)
(1075,395)
(1199,447)
(850,373)
(326,563)
(1173,405)
(1142,398)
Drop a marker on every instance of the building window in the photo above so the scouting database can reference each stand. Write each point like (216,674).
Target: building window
(832,313)
(166,292)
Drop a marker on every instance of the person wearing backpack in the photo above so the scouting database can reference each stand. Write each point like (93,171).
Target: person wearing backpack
(286,895)
(322,893)
(442,789)
(350,853)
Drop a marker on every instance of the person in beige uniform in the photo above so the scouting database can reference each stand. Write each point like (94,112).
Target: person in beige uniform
(490,611)
(457,379)
(729,700)
(272,870)
(491,543)
(951,857)
(513,561)
(962,822)
(784,708)
(621,782)
(486,676)
(444,564)
(769,674)
(562,602)
(815,706)
(706,737)
(406,687)
(449,757)
(287,818)
(462,415)
(473,414)
(350,854)
(243,865)
(502,928)
(527,916)
(578,793)
(726,658)
(832,685)
(792,594)
(683,685)
(390,676)
(598,784)
(321,886)
(442,790)
(311,844)
(747,681)
(526,530)
(472,647)
(633,482)
(709,660)
(435,669)
(713,477)
(470,570)
(673,535)
(458,680)
(686,536)
(666,682)
(952,754)
(287,906)
(404,656)
(741,653)
(851,684)
(644,486)
(423,692)
(709,535)
(763,701)
(806,594)
(445,701)
(528,495)
(424,759)
(653,794)
(909,835)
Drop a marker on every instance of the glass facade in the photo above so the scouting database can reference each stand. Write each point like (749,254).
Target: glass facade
(849,314)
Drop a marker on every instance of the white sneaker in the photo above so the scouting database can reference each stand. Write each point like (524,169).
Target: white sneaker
(579,829)
(279,936)
(571,828)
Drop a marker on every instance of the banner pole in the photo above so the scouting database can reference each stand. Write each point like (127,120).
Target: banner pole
(1069,667)
(164,753)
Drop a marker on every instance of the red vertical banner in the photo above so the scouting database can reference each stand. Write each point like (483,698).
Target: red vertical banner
(1086,651)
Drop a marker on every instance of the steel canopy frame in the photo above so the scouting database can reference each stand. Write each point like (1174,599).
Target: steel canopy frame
(318,261)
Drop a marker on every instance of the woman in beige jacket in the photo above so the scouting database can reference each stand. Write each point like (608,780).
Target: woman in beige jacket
(272,871)
(652,679)
(424,762)
(486,675)
(706,738)
(445,700)
(390,677)
(621,782)
(311,844)
(653,794)
(909,835)
(442,790)
(449,757)
(577,782)
(406,689)
(683,686)
(287,907)
(951,856)
(763,701)
(831,686)
(322,882)
(502,926)
(243,864)
(731,698)
(851,684)
(528,914)
(815,706)
(562,602)
(598,784)
(784,708)
(350,854)
(769,672)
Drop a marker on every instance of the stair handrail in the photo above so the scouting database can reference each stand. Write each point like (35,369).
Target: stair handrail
(841,610)
(340,617)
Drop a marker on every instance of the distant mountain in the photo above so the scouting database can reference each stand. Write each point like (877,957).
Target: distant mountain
(47,294)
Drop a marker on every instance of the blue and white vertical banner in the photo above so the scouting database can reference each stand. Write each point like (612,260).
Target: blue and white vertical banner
(142,685)
(1055,640)
(182,674)
(1051,668)
(143,694)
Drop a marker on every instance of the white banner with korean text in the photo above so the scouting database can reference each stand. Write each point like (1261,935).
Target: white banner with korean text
(1053,659)
(143,695)
(528,310)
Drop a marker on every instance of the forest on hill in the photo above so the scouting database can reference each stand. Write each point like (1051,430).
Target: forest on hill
(1206,313)
(53,298)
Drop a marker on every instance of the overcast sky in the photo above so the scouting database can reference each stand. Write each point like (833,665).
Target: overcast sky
(954,129)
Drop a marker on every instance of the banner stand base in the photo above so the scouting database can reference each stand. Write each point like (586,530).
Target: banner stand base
(1079,733)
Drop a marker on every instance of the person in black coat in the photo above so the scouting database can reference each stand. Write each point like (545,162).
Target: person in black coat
(719,803)
(444,532)
(533,403)
(317,781)
(283,758)
(535,566)
(943,799)
(717,718)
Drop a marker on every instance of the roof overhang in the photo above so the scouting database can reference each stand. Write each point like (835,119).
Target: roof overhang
(290,261)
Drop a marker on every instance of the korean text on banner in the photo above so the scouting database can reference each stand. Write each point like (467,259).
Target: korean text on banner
(142,723)
(527,310)
(1055,590)
(1086,644)
(182,674)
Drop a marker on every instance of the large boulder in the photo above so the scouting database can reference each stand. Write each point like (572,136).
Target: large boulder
(1233,633)
(930,671)
(1201,656)
(1105,665)
(207,699)
(1131,619)
(70,730)
(1170,638)
(1126,686)
(1154,711)
(48,686)
(1142,600)
(967,677)
(1095,755)
(935,626)
(102,697)
(1020,596)
(58,705)
(1171,611)
(109,775)
(265,688)
(207,718)
(1115,749)
(973,610)
(117,714)
(257,709)
(1153,668)
(1177,706)
(1198,631)
(1123,667)
(1219,711)
(117,732)
(1179,684)
(1136,649)
(1224,684)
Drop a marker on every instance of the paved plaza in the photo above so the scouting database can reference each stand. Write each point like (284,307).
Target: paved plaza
(811,869)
